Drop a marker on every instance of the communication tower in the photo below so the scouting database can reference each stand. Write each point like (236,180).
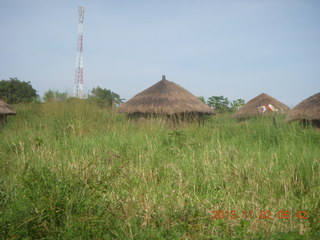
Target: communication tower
(78,81)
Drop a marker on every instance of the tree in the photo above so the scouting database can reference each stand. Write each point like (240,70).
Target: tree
(15,91)
(219,103)
(51,95)
(236,104)
(105,97)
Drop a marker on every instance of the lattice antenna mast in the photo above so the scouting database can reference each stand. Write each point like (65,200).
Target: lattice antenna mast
(78,81)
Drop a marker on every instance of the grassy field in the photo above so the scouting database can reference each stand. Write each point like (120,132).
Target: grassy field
(71,170)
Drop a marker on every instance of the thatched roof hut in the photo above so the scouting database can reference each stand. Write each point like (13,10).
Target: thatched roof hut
(307,110)
(5,110)
(164,98)
(251,108)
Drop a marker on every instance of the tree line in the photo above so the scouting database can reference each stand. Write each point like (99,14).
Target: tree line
(15,91)
(222,104)
(101,96)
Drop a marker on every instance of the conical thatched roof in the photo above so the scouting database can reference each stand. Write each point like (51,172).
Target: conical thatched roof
(250,109)
(308,109)
(5,109)
(167,98)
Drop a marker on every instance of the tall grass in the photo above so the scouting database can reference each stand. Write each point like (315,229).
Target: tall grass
(70,170)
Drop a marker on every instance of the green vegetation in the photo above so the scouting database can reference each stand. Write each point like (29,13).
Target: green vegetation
(72,170)
(222,104)
(16,91)
(104,97)
(54,95)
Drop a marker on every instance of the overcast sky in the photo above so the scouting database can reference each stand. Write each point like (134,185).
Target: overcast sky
(234,48)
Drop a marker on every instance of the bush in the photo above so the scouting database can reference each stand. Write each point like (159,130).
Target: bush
(15,91)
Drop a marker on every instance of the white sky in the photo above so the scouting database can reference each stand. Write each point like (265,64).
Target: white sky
(234,48)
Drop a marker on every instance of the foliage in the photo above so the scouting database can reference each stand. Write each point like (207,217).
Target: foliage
(71,170)
(221,104)
(51,95)
(104,97)
(202,99)
(15,91)
(236,104)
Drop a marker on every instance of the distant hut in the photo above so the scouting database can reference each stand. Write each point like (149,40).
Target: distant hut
(165,98)
(5,110)
(307,111)
(261,105)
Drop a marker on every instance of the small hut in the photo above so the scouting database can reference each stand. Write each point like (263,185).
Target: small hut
(5,110)
(261,105)
(307,111)
(165,98)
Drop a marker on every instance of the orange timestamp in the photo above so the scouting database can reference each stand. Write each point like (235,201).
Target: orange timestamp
(261,214)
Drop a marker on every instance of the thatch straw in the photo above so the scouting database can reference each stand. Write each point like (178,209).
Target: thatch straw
(308,109)
(250,109)
(5,109)
(165,98)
